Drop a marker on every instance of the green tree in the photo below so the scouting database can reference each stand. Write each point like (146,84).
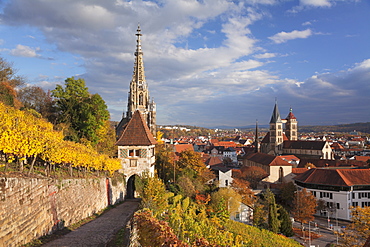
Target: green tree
(273,221)
(259,215)
(82,112)
(285,222)
(287,194)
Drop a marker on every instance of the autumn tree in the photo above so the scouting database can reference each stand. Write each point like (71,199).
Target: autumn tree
(304,206)
(253,174)
(190,160)
(9,81)
(164,162)
(242,187)
(229,197)
(152,192)
(153,232)
(358,231)
(34,97)
(309,165)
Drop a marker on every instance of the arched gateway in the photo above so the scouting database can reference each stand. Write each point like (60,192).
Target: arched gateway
(136,151)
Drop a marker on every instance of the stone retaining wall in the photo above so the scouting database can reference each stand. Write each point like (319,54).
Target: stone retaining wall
(33,207)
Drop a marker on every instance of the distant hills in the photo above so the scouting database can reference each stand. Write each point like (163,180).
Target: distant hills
(359,127)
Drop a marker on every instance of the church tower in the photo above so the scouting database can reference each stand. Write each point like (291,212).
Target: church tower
(291,128)
(138,96)
(276,132)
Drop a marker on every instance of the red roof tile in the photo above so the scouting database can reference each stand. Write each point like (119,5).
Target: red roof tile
(291,116)
(267,160)
(299,170)
(136,133)
(212,161)
(182,147)
(335,177)
(362,158)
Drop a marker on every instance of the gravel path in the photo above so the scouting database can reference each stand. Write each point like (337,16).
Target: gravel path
(101,230)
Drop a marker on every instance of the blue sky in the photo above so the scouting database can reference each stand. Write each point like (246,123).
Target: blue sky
(207,63)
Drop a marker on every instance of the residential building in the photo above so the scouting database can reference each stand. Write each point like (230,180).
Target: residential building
(276,168)
(340,189)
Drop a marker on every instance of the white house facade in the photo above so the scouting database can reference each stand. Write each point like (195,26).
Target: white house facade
(340,189)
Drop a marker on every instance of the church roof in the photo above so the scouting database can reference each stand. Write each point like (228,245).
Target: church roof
(313,145)
(275,118)
(266,139)
(267,159)
(214,161)
(335,177)
(290,115)
(136,133)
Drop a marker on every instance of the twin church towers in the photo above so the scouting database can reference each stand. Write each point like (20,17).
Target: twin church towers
(138,96)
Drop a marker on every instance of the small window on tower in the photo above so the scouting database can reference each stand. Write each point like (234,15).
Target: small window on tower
(141,99)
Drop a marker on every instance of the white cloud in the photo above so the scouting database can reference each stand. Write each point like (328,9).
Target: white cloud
(24,51)
(283,37)
(316,3)
(265,55)
(363,65)
(200,84)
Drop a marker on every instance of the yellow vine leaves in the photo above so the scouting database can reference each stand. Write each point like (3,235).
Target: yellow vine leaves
(22,135)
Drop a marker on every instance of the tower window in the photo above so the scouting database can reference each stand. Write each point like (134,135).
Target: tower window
(141,99)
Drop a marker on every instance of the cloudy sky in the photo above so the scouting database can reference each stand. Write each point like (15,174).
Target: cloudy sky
(207,62)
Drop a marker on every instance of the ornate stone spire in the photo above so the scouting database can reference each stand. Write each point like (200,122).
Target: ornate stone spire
(138,98)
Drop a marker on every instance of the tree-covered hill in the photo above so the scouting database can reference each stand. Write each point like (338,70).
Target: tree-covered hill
(360,127)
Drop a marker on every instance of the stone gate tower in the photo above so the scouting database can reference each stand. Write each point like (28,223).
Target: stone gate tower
(138,96)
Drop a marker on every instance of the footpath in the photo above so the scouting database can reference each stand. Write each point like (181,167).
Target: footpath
(100,231)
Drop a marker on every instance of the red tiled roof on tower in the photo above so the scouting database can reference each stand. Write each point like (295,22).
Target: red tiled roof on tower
(290,115)
(136,133)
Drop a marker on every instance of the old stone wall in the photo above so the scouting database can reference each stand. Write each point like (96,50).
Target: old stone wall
(33,207)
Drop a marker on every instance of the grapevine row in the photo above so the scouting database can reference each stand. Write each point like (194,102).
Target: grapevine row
(25,136)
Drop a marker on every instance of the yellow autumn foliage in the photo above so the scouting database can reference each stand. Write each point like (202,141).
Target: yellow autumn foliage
(22,135)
